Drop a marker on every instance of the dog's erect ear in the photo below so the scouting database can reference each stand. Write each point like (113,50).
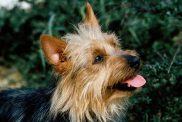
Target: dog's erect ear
(90,17)
(53,49)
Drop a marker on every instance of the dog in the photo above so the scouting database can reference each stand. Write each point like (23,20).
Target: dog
(95,79)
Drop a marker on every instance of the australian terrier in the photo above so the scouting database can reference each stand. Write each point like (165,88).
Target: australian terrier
(96,78)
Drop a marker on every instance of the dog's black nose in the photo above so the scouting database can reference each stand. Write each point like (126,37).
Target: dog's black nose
(133,61)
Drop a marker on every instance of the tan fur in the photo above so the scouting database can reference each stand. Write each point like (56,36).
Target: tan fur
(83,90)
(90,16)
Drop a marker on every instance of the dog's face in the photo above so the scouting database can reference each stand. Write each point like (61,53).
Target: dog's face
(99,65)
(96,72)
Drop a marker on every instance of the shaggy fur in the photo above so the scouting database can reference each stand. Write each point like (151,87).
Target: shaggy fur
(92,69)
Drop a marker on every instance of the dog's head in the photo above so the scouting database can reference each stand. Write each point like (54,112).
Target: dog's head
(96,73)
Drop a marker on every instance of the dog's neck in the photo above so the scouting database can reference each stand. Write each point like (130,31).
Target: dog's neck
(86,108)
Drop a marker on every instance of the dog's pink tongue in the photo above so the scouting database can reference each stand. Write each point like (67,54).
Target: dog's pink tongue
(137,81)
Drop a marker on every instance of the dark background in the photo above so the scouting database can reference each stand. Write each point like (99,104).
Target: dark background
(152,27)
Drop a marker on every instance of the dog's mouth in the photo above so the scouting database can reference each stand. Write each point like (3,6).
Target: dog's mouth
(129,84)
(123,87)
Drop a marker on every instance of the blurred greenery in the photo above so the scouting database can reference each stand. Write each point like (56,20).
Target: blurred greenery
(152,27)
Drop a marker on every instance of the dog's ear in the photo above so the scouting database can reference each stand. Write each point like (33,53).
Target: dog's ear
(53,49)
(90,17)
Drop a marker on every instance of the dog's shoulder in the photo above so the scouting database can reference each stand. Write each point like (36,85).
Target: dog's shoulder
(25,104)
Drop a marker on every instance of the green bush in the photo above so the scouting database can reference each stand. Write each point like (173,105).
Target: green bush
(153,28)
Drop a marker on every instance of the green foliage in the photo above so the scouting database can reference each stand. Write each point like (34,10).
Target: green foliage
(152,27)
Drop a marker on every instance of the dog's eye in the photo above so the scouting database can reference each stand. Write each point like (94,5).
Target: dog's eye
(98,59)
